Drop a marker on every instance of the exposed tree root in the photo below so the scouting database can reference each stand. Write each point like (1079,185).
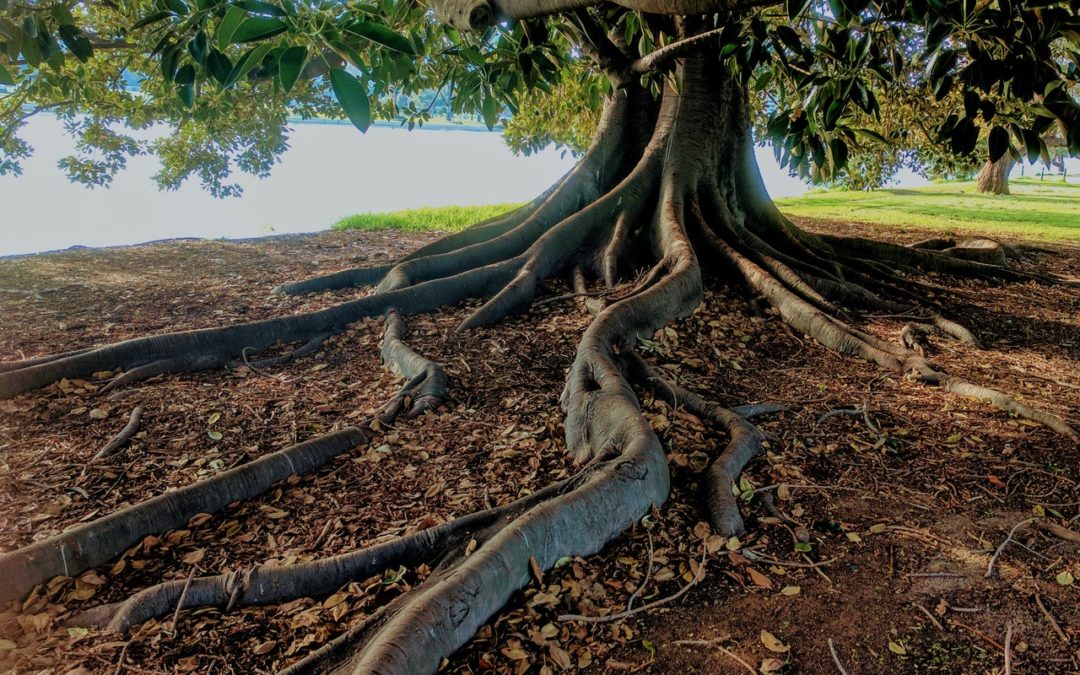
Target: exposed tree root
(121,439)
(310,347)
(8,366)
(746,441)
(98,541)
(263,585)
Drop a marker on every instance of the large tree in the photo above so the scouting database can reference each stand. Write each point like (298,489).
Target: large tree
(667,196)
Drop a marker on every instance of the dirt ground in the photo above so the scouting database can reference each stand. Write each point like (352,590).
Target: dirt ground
(869,533)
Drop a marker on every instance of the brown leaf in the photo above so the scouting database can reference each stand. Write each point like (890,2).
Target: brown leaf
(265,648)
(758,578)
(537,572)
(772,643)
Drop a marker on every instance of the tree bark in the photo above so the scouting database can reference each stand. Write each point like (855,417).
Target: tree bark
(993,178)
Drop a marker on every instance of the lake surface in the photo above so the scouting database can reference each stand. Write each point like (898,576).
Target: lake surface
(330,171)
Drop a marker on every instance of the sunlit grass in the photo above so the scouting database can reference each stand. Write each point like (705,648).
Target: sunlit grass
(1035,209)
(446,218)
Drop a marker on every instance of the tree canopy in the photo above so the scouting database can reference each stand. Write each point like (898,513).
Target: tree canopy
(871,83)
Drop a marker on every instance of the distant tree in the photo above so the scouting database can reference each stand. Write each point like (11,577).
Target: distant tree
(668,187)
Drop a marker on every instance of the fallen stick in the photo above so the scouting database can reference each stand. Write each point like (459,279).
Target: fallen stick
(715,644)
(121,439)
(836,658)
(1009,538)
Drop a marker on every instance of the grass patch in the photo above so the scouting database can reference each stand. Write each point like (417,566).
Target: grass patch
(1035,209)
(445,218)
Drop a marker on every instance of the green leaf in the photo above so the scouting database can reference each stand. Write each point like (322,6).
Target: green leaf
(1031,144)
(839,151)
(186,92)
(198,47)
(219,65)
(169,60)
(249,60)
(76,42)
(5,76)
(216,435)
(179,7)
(832,115)
(997,143)
(29,26)
(31,51)
(378,33)
(353,98)
(257,7)
(290,65)
(229,23)
(153,18)
(258,28)
(489,106)
(794,7)
(803,547)
(186,74)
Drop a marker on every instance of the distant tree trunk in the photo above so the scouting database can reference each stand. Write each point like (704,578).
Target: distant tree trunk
(994,176)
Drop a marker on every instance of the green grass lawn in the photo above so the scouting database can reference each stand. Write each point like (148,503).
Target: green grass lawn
(1035,209)
(449,218)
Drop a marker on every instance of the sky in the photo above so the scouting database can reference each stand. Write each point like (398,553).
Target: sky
(330,171)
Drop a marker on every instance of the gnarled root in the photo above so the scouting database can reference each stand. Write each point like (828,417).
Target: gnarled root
(746,441)
(98,541)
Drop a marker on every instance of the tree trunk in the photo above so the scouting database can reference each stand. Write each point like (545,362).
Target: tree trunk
(993,178)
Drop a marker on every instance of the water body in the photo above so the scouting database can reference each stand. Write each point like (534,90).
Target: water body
(330,171)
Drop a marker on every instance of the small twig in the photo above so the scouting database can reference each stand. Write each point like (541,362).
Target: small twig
(836,658)
(928,616)
(997,645)
(569,296)
(644,608)
(997,553)
(1049,616)
(121,439)
(1008,650)
(817,569)
(715,644)
(839,411)
(648,573)
(180,602)
(256,370)
(1030,550)
(807,486)
(783,563)
(123,653)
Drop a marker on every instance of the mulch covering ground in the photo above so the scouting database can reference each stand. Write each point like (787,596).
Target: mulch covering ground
(871,531)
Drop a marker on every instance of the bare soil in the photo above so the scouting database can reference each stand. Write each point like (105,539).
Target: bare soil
(897,508)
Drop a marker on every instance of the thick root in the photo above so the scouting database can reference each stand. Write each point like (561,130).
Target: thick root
(217,347)
(98,541)
(746,441)
(265,585)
